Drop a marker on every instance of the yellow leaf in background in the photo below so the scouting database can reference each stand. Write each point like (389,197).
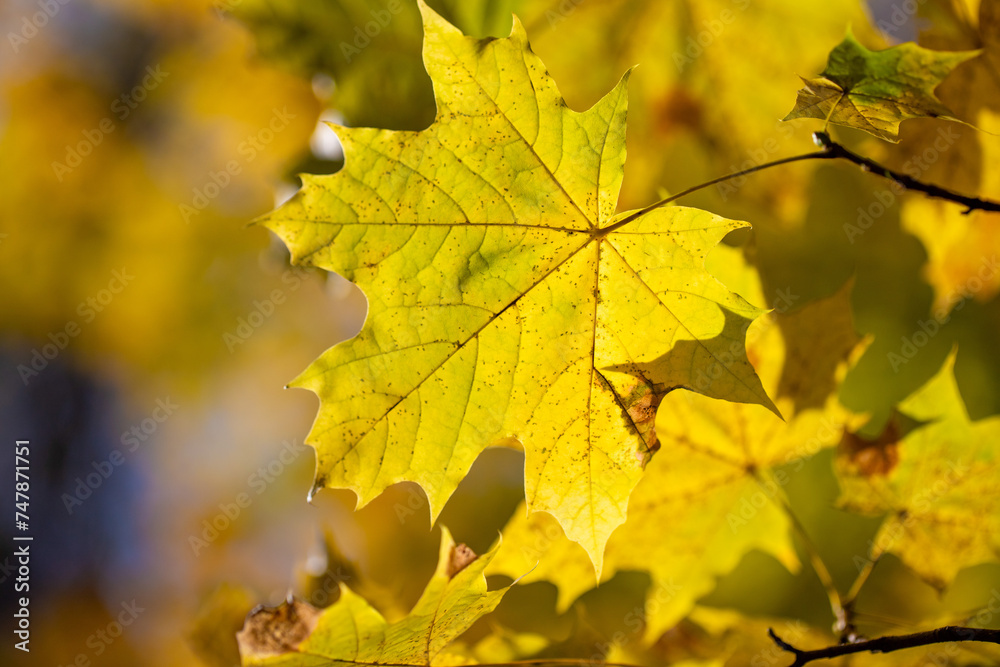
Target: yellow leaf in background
(506,297)
(712,82)
(352,632)
(936,485)
(714,489)
(960,247)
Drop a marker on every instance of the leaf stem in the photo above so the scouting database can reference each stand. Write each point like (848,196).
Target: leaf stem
(889,644)
(816,155)
(837,605)
(866,571)
(831,150)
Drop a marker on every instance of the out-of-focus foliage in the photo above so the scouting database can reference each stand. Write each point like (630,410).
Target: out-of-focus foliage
(333,38)
(121,194)
(934,485)
(352,632)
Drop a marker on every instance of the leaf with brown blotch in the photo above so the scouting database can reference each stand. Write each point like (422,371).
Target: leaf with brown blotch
(939,493)
(351,633)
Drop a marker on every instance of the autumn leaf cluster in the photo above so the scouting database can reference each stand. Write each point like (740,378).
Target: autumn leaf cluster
(667,373)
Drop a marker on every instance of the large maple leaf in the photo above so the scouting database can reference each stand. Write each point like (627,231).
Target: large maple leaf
(507,300)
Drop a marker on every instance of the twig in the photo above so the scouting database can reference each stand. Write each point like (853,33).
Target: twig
(835,150)
(866,571)
(817,155)
(831,150)
(951,633)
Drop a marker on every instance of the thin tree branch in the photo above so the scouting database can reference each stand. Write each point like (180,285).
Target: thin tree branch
(834,150)
(817,155)
(951,633)
(831,150)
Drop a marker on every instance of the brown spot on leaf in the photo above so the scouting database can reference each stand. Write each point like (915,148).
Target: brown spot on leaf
(873,457)
(277,630)
(461,556)
(642,411)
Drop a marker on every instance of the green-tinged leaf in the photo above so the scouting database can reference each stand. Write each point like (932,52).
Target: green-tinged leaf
(351,632)
(936,485)
(708,497)
(876,90)
(507,300)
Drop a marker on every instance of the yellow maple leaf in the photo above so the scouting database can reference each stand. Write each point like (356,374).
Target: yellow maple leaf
(935,485)
(507,299)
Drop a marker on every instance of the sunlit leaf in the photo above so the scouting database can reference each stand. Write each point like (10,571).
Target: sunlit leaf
(506,297)
(875,91)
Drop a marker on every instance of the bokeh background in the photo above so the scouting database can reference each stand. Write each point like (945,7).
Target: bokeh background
(147,329)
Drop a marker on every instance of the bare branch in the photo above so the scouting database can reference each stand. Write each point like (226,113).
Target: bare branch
(951,633)
(834,150)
